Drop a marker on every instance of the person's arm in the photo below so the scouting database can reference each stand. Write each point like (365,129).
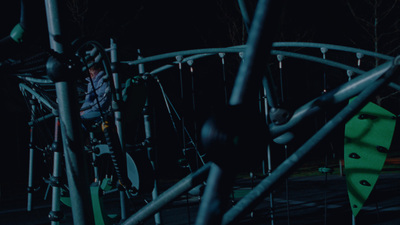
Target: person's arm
(104,95)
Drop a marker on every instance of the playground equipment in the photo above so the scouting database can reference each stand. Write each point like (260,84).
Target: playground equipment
(246,122)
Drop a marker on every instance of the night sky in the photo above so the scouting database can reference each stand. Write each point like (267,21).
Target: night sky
(156,27)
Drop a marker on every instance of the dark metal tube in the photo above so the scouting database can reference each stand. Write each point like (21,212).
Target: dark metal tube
(148,113)
(216,196)
(245,91)
(75,161)
(335,96)
(245,14)
(57,172)
(257,53)
(31,155)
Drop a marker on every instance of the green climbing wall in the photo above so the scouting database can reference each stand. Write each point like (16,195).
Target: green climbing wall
(368,136)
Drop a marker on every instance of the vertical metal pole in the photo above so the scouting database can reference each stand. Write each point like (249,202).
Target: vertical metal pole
(280,59)
(55,214)
(117,85)
(118,116)
(75,161)
(148,126)
(359,57)
(31,156)
(269,161)
(222,55)
(350,76)
(324,51)
(271,196)
(195,127)
(183,125)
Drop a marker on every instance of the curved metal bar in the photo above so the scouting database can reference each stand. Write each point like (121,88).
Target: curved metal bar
(318,60)
(234,49)
(200,53)
(340,94)
(162,68)
(168,66)
(241,48)
(331,46)
(273,52)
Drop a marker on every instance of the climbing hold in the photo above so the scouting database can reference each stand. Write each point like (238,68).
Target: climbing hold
(354,155)
(381,149)
(365,183)
(366,116)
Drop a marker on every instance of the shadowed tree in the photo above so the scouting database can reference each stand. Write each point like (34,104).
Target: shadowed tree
(379,25)
(78,9)
(378,30)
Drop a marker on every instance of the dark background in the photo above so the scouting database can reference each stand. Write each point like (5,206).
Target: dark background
(157,27)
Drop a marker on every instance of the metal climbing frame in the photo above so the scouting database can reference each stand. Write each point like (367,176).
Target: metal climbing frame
(256,53)
(252,72)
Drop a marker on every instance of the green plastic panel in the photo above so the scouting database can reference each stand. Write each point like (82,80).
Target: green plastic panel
(65,199)
(100,216)
(368,136)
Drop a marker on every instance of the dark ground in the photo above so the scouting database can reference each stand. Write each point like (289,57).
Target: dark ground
(311,201)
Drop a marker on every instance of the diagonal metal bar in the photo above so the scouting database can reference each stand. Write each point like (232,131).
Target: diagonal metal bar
(245,91)
(257,53)
(169,195)
(338,95)
(284,169)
